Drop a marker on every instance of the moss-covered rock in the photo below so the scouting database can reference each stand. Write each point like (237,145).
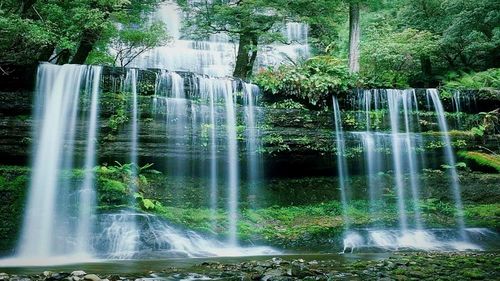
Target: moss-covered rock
(481,161)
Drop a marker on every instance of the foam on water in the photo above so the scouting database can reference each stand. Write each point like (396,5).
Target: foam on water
(425,240)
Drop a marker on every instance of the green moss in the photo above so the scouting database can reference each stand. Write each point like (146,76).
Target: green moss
(306,213)
(14,183)
(285,225)
(483,160)
(474,273)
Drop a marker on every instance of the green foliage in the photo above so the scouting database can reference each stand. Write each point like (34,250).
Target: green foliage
(115,182)
(313,81)
(488,126)
(287,104)
(14,182)
(274,143)
(34,32)
(478,131)
(489,79)
(112,192)
(458,165)
(145,203)
(468,30)
(130,42)
(391,58)
(118,103)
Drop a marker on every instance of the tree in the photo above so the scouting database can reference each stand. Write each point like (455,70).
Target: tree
(469,30)
(246,21)
(106,12)
(32,30)
(131,42)
(391,57)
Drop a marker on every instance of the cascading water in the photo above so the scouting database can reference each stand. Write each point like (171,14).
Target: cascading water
(87,194)
(462,102)
(401,137)
(232,162)
(252,140)
(351,239)
(122,231)
(205,131)
(450,161)
(217,55)
(47,232)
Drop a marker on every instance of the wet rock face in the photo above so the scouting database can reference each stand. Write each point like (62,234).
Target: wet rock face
(294,141)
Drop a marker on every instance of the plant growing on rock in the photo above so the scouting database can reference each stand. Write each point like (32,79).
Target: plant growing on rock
(312,82)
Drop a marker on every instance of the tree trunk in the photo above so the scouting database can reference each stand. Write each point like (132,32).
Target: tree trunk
(46,52)
(247,54)
(26,6)
(63,57)
(253,56)
(89,38)
(354,37)
(426,64)
(243,58)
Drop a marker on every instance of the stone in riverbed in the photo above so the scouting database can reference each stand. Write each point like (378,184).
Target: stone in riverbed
(78,273)
(92,277)
(300,270)
(57,276)
(114,277)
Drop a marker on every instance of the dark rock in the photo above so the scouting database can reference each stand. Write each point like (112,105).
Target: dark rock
(57,276)
(114,277)
(300,270)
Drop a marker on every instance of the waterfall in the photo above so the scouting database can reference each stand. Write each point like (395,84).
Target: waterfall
(252,140)
(122,230)
(461,102)
(50,215)
(343,174)
(131,83)
(232,168)
(216,55)
(211,125)
(87,194)
(450,160)
(213,158)
(402,138)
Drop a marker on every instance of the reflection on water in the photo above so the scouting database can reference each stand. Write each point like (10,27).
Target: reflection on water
(144,267)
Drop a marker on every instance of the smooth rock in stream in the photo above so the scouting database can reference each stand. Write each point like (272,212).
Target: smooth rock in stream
(92,277)
(78,273)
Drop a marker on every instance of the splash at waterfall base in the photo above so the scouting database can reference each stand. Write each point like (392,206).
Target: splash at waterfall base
(178,207)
